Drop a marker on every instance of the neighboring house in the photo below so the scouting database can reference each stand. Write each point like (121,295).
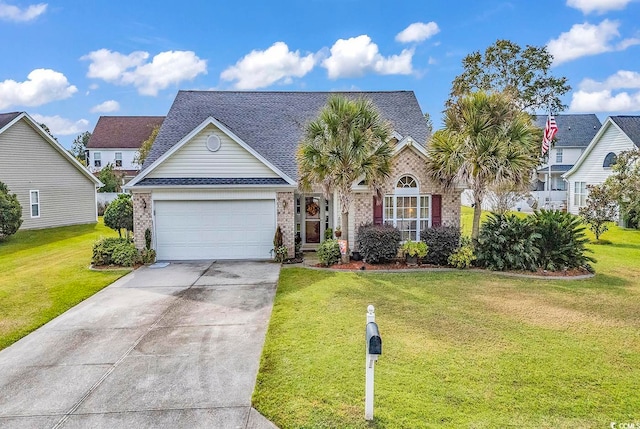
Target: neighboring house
(618,134)
(116,140)
(222,175)
(53,188)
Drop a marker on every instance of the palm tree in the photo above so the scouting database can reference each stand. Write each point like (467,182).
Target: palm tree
(347,143)
(487,142)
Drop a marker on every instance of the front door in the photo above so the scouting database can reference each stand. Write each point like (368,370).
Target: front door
(313,218)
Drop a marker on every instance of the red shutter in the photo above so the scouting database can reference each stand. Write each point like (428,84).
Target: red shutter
(377,211)
(436,210)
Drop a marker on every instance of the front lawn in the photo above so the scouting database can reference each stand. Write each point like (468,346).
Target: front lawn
(460,349)
(45,272)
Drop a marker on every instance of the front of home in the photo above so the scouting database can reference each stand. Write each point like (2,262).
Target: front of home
(222,176)
(53,188)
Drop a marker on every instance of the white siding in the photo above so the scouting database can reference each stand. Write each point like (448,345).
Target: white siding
(195,160)
(28,162)
(108,156)
(591,170)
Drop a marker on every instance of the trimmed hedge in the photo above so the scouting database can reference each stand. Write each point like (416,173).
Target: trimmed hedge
(442,242)
(378,243)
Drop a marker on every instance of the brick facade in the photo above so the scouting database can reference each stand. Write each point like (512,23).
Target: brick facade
(286,206)
(142,218)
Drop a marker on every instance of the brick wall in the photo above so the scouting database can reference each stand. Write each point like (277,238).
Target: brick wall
(141,217)
(286,206)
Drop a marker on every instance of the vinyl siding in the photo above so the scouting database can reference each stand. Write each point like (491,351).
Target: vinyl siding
(195,160)
(28,162)
(108,156)
(591,170)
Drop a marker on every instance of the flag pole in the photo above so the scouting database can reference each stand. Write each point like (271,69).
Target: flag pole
(549,165)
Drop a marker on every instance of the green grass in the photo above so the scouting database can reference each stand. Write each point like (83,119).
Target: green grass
(460,349)
(45,272)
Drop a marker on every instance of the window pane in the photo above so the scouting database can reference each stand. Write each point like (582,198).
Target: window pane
(34,197)
(97,156)
(35,211)
(424,207)
(388,209)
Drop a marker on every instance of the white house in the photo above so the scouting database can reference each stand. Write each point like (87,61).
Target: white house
(618,134)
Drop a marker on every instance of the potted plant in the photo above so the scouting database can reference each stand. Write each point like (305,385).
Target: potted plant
(338,232)
(413,250)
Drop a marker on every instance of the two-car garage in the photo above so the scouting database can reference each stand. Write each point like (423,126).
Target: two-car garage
(214,229)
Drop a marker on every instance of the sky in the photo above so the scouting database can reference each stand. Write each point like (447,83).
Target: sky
(66,63)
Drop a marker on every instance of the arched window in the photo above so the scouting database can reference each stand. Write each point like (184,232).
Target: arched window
(609,160)
(407,209)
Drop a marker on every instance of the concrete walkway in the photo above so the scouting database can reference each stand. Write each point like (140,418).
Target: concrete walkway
(177,346)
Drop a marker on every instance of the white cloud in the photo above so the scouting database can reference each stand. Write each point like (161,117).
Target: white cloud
(106,107)
(164,69)
(418,32)
(594,96)
(619,80)
(10,12)
(62,126)
(258,69)
(358,55)
(42,86)
(588,39)
(599,6)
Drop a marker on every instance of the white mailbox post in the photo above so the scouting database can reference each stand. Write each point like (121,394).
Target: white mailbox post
(373,351)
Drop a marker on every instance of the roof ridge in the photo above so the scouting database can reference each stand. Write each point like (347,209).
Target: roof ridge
(295,92)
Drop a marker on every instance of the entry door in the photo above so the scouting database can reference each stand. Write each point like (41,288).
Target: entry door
(314,215)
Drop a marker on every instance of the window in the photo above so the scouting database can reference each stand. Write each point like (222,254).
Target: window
(97,159)
(407,210)
(118,159)
(558,156)
(609,160)
(34,197)
(579,194)
(558,184)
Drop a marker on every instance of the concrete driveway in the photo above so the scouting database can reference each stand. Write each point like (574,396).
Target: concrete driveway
(177,346)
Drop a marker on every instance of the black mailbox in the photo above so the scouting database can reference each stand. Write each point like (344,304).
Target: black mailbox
(374,342)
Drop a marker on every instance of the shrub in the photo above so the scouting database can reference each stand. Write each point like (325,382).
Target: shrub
(328,234)
(147,239)
(561,240)
(378,243)
(281,253)
(148,256)
(464,256)
(414,248)
(119,214)
(506,242)
(329,252)
(10,212)
(102,207)
(115,251)
(442,241)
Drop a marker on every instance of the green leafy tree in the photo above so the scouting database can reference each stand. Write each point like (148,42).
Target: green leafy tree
(427,118)
(600,208)
(10,213)
(119,214)
(524,74)
(346,143)
(110,178)
(624,185)
(487,142)
(46,128)
(79,147)
(145,148)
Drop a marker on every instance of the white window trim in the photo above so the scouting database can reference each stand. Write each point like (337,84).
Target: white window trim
(115,157)
(559,155)
(31,203)
(577,196)
(408,192)
(99,158)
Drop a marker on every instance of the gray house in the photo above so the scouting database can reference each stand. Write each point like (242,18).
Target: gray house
(53,188)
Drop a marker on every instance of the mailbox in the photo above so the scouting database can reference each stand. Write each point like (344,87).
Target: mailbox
(374,342)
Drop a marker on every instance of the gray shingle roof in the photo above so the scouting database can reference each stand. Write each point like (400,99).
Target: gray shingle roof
(558,168)
(272,123)
(573,130)
(5,118)
(211,181)
(630,125)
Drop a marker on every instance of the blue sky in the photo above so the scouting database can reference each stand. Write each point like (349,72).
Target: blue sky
(67,62)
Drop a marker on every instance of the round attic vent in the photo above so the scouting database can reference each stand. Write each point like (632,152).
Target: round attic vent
(213,143)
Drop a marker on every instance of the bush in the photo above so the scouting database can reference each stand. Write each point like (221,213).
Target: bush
(10,212)
(414,248)
(442,242)
(281,253)
(102,207)
(115,251)
(378,243)
(506,242)
(561,240)
(464,256)
(328,234)
(119,214)
(148,256)
(329,252)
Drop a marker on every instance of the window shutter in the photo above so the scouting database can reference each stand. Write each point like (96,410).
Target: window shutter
(436,210)
(377,211)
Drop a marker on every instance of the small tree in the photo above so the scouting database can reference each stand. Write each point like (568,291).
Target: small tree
(10,212)
(624,184)
(79,147)
(110,178)
(145,148)
(119,214)
(600,208)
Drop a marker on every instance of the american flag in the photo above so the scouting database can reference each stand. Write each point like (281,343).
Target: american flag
(550,131)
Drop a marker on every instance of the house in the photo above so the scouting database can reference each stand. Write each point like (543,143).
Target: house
(618,134)
(222,175)
(53,188)
(116,141)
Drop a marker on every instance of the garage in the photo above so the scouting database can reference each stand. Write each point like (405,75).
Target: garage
(227,229)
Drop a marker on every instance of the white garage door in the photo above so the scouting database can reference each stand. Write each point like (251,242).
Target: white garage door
(241,229)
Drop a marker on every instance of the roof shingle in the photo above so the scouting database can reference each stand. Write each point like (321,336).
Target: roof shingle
(573,130)
(630,125)
(5,118)
(122,132)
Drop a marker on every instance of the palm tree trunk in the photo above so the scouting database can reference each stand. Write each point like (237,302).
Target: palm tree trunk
(477,211)
(344,225)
